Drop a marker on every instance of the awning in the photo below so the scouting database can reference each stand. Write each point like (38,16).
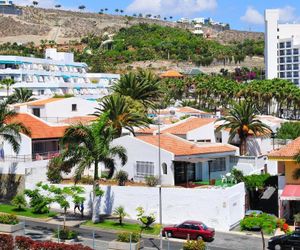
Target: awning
(291,192)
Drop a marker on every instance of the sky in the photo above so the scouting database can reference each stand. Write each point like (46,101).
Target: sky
(240,14)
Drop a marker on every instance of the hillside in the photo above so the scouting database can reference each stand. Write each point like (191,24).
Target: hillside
(37,24)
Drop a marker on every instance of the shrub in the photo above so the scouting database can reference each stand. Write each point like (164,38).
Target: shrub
(104,174)
(122,177)
(125,237)
(151,181)
(6,242)
(9,219)
(66,234)
(23,243)
(237,175)
(147,220)
(265,222)
(87,180)
(57,246)
(39,203)
(54,171)
(120,212)
(194,245)
(19,201)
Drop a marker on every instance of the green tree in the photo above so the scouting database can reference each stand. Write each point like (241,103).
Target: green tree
(242,122)
(19,202)
(120,212)
(7,83)
(289,130)
(85,146)
(21,95)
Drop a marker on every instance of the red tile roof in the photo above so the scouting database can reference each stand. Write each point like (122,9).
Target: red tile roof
(38,128)
(190,110)
(181,128)
(41,102)
(79,119)
(288,151)
(146,130)
(181,147)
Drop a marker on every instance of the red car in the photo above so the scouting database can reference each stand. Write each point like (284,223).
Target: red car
(190,230)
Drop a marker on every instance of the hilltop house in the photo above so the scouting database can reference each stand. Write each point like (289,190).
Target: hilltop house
(288,183)
(181,160)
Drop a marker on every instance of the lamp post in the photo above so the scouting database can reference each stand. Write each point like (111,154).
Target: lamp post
(273,135)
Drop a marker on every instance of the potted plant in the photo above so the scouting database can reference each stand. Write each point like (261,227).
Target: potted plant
(194,245)
(127,241)
(66,235)
(9,223)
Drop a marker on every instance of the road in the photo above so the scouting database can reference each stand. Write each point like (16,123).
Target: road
(223,241)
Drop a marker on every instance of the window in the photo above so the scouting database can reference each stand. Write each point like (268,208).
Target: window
(282,60)
(36,112)
(288,52)
(281,45)
(288,59)
(296,51)
(208,140)
(74,107)
(164,168)
(195,227)
(296,81)
(289,67)
(296,59)
(282,67)
(289,74)
(296,74)
(296,66)
(218,165)
(144,168)
(281,52)
(282,75)
(288,44)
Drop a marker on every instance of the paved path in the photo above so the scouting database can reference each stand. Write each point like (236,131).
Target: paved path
(223,241)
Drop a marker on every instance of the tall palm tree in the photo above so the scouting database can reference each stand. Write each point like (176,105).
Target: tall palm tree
(81,7)
(7,82)
(85,146)
(242,121)
(35,3)
(120,115)
(10,129)
(21,95)
(142,86)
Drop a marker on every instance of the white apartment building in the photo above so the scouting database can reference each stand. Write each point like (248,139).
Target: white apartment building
(57,73)
(282,46)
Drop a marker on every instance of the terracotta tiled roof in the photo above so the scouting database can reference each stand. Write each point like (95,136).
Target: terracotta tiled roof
(179,146)
(288,151)
(171,73)
(41,102)
(190,110)
(188,125)
(79,119)
(146,130)
(38,128)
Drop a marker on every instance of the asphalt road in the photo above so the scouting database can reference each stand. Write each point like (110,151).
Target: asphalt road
(223,241)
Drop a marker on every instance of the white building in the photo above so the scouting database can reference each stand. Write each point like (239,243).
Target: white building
(282,45)
(57,109)
(5,2)
(104,80)
(56,74)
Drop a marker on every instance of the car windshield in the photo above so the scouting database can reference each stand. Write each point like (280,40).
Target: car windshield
(204,226)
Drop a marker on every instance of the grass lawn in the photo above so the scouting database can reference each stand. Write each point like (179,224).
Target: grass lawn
(6,208)
(130,227)
(218,183)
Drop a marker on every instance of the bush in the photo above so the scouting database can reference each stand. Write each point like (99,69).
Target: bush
(23,243)
(151,181)
(265,222)
(147,220)
(237,175)
(125,237)
(54,171)
(122,177)
(194,245)
(66,234)
(39,203)
(19,202)
(6,242)
(9,219)
(86,179)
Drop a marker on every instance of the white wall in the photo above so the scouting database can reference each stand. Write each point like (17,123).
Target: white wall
(25,147)
(217,207)
(138,150)
(206,132)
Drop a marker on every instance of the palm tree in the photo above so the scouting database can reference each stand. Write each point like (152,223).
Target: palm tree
(81,7)
(120,115)
(21,95)
(116,10)
(242,121)
(10,129)
(142,87)
(121,11)
(120,212)
(7,82)
(57,6)
(85,146)
(35,3)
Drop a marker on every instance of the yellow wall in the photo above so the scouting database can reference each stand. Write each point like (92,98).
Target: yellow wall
(290,166)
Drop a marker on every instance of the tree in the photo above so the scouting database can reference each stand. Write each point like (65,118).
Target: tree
(120,115)
(7,82)
(85,146)
(35,3)
(10,129)
(289,130)
(21,95)
(116,10)
(81,7)
(242,122)
(57,6)
(19,202)
(120,212)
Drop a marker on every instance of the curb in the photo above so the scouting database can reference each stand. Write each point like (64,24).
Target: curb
(25,218)
(249,234)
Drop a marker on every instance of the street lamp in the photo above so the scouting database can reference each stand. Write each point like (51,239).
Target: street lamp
(273,135)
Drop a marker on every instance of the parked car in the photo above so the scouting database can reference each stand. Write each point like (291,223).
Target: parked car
(190,229)
(287,241)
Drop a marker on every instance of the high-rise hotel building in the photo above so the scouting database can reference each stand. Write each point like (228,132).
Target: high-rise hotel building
(282,48)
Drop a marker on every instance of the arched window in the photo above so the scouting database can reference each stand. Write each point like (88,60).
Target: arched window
(164,168)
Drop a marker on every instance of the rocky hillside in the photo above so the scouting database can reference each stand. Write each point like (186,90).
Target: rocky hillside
(36,24)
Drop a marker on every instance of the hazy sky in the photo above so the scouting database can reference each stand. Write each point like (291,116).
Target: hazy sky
(241,14)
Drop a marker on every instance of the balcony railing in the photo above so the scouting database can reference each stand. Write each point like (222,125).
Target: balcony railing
(28,158)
